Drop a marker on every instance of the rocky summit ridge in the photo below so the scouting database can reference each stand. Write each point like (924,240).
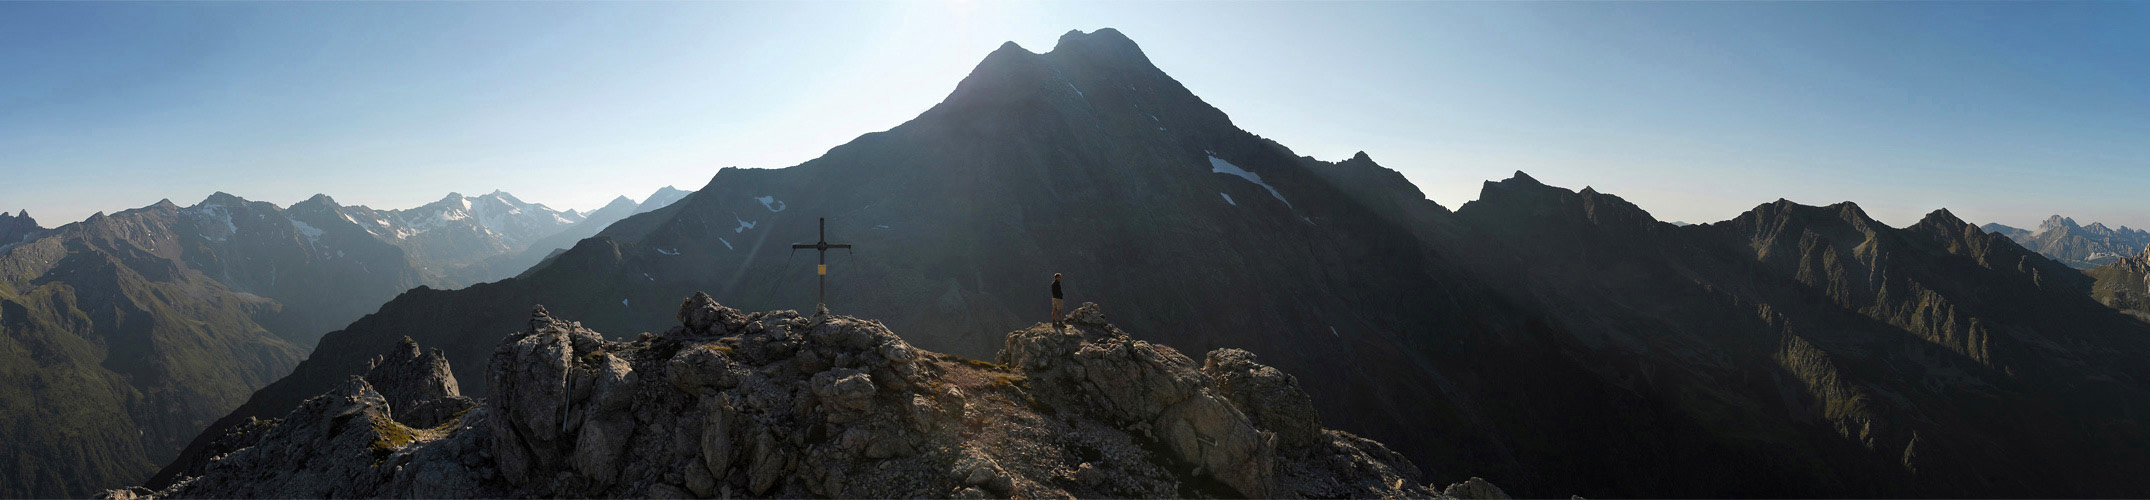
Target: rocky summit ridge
(780,404)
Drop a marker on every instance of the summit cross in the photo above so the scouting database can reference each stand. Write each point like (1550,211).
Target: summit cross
(821,268)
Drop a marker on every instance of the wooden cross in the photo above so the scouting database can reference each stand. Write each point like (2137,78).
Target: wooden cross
(821,295)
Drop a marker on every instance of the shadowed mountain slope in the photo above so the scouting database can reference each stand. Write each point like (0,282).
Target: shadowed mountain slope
(1085,160)
(1556,342)
(1811,351)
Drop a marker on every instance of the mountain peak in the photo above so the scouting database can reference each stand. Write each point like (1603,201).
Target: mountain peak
(322,198)
(1103,37)
(165,203)
(2057,222)
(221,198)
(1944,218)
(1360,156)
(1524,178)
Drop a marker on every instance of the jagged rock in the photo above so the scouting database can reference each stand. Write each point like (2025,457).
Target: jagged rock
(780,405)
(529,381)
(1475,489)
(349,442)
(848,393)
(421,390)
(1269,397)
(701,314)
(1096,366)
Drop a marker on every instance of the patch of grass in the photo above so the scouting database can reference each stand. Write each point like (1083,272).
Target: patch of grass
(391,436)
(973,363)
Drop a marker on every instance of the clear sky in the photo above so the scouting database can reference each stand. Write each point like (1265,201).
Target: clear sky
(2001,111)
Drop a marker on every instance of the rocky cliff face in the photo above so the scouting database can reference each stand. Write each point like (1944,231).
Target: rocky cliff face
(778,404)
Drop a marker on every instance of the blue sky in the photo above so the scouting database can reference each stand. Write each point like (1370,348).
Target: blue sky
(2000,111)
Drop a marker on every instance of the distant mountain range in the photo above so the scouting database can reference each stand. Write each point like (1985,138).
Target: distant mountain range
(506,264)
(2081,247)
(459,231)
(1552,341)
(126,334)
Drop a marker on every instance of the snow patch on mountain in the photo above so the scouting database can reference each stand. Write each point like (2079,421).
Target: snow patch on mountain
(313,234)
(1228,199)
(744,224)
(210,214)
(770,202)
(1219,166)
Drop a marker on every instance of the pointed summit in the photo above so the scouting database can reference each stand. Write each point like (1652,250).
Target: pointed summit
(221,198)
(1103,40)
(2057,222)
(1943,218)
(1524,178)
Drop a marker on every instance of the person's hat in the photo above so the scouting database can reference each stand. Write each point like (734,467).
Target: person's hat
(1056,275)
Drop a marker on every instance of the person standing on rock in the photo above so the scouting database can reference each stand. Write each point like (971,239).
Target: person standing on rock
(1056,301)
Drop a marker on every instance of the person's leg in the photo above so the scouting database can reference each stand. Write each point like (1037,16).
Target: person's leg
(1056,312)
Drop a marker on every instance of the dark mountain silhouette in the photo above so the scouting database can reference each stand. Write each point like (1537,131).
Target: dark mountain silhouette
(1811,351)
(2082,247)
(1555,342)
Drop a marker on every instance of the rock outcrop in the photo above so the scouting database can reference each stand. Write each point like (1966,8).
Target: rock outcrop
(780,404)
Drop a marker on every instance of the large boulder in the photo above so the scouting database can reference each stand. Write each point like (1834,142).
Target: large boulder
(1094,366)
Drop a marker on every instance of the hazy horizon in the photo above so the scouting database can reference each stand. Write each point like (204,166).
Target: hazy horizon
(2000,112)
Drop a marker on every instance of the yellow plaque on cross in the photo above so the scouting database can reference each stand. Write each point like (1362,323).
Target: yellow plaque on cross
(824,269)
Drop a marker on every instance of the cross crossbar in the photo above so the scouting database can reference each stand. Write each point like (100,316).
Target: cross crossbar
(821,262)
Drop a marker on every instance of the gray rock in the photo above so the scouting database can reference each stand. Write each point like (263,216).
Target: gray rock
(724,406)
(407,376)
(1266,395)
